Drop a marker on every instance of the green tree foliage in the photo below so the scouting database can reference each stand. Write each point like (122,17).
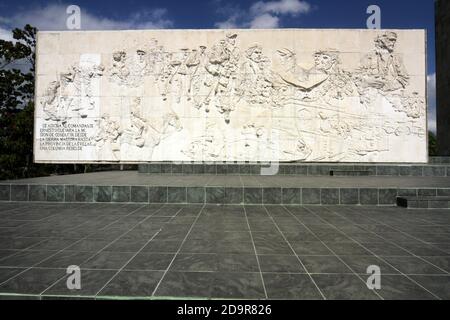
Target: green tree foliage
(16,103)
(432,144)
(17,70)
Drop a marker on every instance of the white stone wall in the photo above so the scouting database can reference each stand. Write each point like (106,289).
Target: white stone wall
(231,95)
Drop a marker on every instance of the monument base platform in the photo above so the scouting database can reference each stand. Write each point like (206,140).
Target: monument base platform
(132,187)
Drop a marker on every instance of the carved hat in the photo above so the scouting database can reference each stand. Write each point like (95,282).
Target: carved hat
(389,35)
(232,35)
(285,52)
(385,36)
(332,53)
(252,49)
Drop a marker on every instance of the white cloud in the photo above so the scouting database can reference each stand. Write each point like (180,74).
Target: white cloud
(264,21)
(292,7)
(54,17)
(431,83)
(262,14)
(5,34)
(230,23)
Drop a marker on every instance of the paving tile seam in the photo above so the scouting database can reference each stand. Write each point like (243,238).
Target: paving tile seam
(178,251)
(140,250)
(256,254)
(301,262)
(411,253)
(56,254)
(95,253)
(31,246)
(381,258)
(337,256)
(388,263)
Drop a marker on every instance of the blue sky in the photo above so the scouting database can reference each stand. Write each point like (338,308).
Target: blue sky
(144,14)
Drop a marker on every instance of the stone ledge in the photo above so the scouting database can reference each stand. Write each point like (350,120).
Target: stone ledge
(297,169)
(211,194)
(436,202)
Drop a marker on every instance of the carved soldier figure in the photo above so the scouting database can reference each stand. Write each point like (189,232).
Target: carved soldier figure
(221,66)
(232,51)
(140,64)
(88,74)
(326,80)
(138,124)
(325,64)
(119,71)
(173,73)
(155,57)
(290,72)
(383,69)
(256,61)
(255,83)
(108,136)
(196,64)
(50,105)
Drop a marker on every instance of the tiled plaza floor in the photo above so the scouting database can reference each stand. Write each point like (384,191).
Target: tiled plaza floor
(210,251)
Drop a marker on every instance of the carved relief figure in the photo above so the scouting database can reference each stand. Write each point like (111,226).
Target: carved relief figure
(383,69)
(52,106)
(129,68)
(326,80)
(256,84)
(107,138)
(207,147)
(412,105)
(119,72)
(290,72)
(222,69)
(158,129)
(155,57)
(87,75)
(196,66)
(138,124)
(174,74)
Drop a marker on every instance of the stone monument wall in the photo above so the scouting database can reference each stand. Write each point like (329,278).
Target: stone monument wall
(231,95)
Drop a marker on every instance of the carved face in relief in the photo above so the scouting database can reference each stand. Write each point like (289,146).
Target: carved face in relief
(255,53)
(324,61)
(141,55)
(387,41)
(231,39)
(287,58)
(119,56)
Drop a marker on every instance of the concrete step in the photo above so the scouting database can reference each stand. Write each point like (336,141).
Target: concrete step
(350,173)
(442,160)
(298,169)
(424,202)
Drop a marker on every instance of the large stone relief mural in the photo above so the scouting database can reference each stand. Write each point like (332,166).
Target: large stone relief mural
(236,95)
